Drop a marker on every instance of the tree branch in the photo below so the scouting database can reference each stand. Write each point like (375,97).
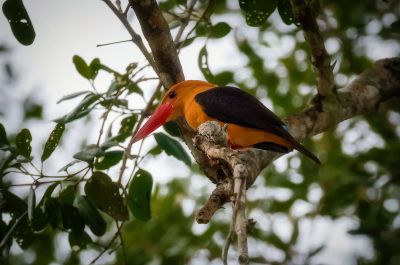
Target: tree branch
(236,170)
(378,84)
(305,14)
(156,31)
(375,85)
(136,38)
(381,82)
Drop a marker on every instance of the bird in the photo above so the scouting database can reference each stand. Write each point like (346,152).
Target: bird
(248,122)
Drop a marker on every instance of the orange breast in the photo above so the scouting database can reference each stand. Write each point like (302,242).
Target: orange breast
(237,135)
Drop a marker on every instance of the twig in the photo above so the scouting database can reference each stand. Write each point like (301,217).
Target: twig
(138,124)
(305,14)
(185,21)
(240,175)
(128,6)
(114,42)
(105,115)
(218,197)
(228,242)
(122,243)
(11,230)
(28,184)
(136,39)
(107,247)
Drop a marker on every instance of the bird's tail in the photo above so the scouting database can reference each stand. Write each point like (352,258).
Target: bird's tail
(299,147)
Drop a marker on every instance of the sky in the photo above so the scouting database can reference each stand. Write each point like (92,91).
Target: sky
(66,28)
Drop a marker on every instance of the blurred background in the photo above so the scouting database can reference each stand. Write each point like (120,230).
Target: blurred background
(343,212)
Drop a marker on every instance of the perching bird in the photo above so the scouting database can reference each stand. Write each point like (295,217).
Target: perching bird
(249,122)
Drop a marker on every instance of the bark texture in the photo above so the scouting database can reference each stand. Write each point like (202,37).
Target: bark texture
(305,13)
(156,31)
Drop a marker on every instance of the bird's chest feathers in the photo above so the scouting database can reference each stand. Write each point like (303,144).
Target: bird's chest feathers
(194,114)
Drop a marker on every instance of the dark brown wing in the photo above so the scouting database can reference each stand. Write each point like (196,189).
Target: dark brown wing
(232,105)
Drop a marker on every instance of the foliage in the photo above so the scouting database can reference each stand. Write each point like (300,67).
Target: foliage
(89,203)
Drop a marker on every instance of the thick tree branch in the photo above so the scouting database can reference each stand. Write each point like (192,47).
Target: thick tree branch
(242,167)
(378,84)
(305,14)
(375,85)
(158,35)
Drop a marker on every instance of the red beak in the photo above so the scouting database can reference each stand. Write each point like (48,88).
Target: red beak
(158,118)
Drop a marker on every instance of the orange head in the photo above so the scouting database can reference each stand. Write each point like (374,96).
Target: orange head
(172,105)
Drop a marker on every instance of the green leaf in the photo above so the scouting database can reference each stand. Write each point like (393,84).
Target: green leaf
(3,136)
(12,204)
(45,209)
(19,226)
(81,110)
(172,128)
(81,66)
(104,193)
(18,18)
(75,116)
(108,160)
(48,192)
(70,164)
(156,150)
(23,143)
(31,204)
(257,11)
(71,219)
(51,209)
(39,220)
(223,78)
(219,30)
(108,144)
(32,109)
(23,233)
(91,216)
(285,11)
(126,128)
(203,64)
(89,153)
(73,95)
(201,29)
(134,88)
(67,193)
(185,42)
(79,243)
(94,66)
(53,141)
(131,67)
(139,195)
(5,162)
(172,147)
(3,233)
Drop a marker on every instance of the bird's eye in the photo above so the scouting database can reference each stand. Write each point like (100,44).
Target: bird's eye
(172,94)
